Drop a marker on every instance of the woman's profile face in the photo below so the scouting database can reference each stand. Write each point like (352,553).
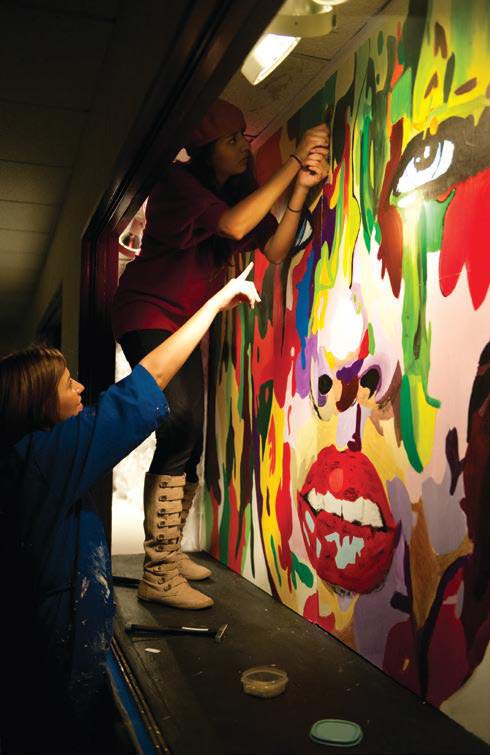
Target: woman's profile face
(69,393)
(230,156)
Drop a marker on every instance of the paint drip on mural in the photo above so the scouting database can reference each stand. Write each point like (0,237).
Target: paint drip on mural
(348,449)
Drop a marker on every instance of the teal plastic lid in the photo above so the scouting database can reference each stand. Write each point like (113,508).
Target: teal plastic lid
(334,731)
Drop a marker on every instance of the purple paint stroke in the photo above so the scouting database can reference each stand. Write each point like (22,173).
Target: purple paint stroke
(347,374)
(303,374)
(374,615)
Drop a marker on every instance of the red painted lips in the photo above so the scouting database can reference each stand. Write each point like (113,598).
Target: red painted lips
(347,525)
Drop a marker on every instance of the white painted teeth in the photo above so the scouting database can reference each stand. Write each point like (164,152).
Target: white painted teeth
(362,510)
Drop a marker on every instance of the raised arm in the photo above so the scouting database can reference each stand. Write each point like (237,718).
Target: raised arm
(315,171)
(240,219)
(167,359)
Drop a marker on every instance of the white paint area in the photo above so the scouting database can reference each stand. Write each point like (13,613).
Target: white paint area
(362,510)
(344,320)
(347,551)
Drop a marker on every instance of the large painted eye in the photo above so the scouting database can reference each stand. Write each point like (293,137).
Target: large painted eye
(432,164)
(434,161)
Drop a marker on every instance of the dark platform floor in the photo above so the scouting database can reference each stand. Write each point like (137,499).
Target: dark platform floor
(194,692)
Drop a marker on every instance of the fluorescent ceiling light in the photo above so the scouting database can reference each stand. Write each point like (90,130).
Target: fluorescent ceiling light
(267,54)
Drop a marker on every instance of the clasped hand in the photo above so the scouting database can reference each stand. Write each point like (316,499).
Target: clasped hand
(312,150)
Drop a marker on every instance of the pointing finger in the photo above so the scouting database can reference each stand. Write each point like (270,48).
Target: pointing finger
(243,275)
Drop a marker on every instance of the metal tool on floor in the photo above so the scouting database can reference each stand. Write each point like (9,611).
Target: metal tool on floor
(152,629)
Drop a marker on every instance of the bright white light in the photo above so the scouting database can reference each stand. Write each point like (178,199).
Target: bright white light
(268,53)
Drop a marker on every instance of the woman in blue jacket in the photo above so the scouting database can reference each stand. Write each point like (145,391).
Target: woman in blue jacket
(57,600)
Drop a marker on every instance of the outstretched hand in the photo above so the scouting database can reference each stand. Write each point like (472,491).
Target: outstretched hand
(238,290)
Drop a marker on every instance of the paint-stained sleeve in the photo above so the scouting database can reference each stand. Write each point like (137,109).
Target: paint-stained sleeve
(76,453)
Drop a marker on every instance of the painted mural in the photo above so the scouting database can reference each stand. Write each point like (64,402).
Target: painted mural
(348,467)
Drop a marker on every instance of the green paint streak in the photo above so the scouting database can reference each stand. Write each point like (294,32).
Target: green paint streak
(464,19)
(407,425)
(273,547)
(372,343)
(244,318)
(247,523)
(314,111)
(401,99)
(304,572)
(264,410)
(434,222)
(380,41)
(224,528)
(416,404)
(366,193)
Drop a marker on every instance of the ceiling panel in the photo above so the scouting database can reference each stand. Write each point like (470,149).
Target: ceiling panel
(28,242)
(50,59)
(32,183)
(99,8)
(30,133)
(23,216)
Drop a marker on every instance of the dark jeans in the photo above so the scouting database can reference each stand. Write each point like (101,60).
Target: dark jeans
(180,436)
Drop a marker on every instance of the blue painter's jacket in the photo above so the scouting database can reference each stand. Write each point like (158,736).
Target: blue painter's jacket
(56,574)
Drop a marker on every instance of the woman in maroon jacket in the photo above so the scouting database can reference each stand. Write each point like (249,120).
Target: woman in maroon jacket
(197,216)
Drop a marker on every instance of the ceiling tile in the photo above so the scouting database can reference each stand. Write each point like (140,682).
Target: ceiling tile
(23,241)
(32,183)
(29,133)
(50,59)
(99,8)
(22,216)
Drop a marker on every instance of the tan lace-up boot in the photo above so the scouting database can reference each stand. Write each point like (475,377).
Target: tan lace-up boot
(161,581)
(187,567)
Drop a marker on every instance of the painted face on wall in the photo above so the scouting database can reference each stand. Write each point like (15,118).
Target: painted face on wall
(355,410)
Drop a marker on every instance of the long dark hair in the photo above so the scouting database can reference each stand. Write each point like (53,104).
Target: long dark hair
(28,392)
(232,191)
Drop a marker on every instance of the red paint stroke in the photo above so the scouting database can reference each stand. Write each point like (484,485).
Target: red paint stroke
(466,239)
(272,444)
(391,248)
(262,365)
(400,657)
(398,68)
(364,347)
(448,667)
(311,611)
(214,538)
